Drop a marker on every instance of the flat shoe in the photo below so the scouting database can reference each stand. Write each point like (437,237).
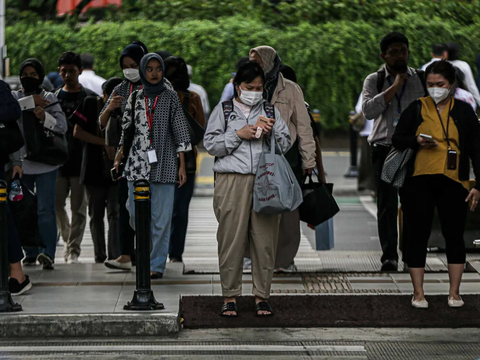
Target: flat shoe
(114,264)
(455,303)
(419,304)
(156,275)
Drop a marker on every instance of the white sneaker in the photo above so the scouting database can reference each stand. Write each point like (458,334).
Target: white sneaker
(114,264)
(419,304)
(455,303)
(72,259)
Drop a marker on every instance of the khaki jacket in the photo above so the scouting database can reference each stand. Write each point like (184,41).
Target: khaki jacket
(288,99)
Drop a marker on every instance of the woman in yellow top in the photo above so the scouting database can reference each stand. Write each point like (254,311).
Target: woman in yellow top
(445,135)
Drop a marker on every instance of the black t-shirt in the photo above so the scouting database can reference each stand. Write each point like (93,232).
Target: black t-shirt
(95,168)
(70,102)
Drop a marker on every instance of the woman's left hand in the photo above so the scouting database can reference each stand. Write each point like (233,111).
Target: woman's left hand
(474,196)
(182,176)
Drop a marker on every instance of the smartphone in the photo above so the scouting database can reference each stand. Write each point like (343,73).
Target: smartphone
(261,122)
(116,175)
(427,137)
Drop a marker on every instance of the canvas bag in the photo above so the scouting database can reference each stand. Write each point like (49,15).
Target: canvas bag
(276,190)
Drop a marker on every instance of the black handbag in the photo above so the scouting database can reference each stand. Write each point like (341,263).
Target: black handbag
(195,130)
(24,213)
(43,145)
(113,131)
(318,203)
(11,138)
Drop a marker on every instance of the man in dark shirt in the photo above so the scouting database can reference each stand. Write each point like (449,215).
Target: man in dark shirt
(71,96)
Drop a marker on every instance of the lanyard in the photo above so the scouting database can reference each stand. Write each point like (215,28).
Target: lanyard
(448,122)
(150,114)
(399,97)
(131,88)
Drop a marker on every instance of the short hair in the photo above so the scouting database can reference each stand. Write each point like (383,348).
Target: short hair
(247,73)
(453,51)
(110,84)
(70,58)
(442,67)
(392,38)
(87,61)
(438,49)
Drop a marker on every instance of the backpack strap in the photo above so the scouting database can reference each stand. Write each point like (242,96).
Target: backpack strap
(381,74)
(186,99)
(227,110)
(269,110)
(421,75)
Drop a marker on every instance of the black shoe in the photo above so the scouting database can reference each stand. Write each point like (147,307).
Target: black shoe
(16,288)
(156,275)
(390,265)
(46,261)
(29,261)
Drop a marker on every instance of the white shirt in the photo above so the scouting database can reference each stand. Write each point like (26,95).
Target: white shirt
(368,128)
(424,67)
(468,81)
(91,81)
(203,96)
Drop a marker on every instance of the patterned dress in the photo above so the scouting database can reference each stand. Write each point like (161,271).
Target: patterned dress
(169,136)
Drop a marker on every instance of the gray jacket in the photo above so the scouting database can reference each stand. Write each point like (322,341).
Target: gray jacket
(234,154)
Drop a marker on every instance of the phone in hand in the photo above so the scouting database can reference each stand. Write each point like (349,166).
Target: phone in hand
(429,138)
(262,121)
(116,175)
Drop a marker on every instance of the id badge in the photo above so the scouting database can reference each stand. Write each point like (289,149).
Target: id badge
(452,160)
(152,156)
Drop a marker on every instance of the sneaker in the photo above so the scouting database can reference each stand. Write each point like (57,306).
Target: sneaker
(28,261)
(46,261)
(72,259)
(390,265)
(289,269)
(16,288)
(117,265)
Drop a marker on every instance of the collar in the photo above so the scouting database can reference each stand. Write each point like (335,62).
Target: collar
(410,72)
(280,87)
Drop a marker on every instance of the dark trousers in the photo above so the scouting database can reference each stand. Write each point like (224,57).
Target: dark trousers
(99,199)
(126,233)
(183,196)
(15,253)
(387,206)
(419,197)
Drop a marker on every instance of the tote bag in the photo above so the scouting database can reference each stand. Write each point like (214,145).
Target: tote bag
(276,190)
(318,203)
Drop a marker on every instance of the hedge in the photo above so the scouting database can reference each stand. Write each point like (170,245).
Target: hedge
(331,59)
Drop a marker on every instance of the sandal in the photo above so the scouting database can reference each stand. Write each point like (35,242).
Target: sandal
(263,306)
(230,306)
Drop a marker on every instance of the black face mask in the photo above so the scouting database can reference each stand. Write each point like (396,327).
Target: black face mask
(30,84)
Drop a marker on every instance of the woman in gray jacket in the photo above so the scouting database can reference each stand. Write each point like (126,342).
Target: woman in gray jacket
(234,137)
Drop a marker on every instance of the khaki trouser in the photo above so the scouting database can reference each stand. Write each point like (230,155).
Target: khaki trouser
(72,233)
(288,239)
(240,227)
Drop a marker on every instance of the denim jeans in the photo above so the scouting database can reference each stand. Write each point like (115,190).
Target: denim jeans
(45,185)
(162,197)
(183,196)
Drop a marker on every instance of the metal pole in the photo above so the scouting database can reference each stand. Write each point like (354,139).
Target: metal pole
(6,301)
(2,39)
(352,170)
(143,298)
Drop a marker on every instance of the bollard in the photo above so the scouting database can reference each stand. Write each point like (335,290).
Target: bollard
(143,298)
(6,301)
(352,170)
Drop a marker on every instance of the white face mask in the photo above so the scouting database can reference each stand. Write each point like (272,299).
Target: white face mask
(250,98)
(131,74)
(438,94)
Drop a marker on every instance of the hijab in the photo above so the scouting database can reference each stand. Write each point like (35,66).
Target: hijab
(271,67)
(135,50)
(149,89)
(38,66)
(176,72)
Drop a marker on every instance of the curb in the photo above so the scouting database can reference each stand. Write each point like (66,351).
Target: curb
(88,325)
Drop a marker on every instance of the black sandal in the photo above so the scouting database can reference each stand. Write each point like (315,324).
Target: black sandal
(230,306)
(263,306)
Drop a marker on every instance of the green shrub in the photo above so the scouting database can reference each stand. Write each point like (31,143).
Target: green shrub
(331,59)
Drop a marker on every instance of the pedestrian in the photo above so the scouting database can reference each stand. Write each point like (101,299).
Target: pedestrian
(88,78)
(18,283)
(38,176)
(176,72)
(200,91)
(438,177)
(115,105)
(228,90)
(232,140)
(439,52)
(161,132)
(365,179)
(288,98)
(95,174)
(386,93)
(464,71)
(71,96)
